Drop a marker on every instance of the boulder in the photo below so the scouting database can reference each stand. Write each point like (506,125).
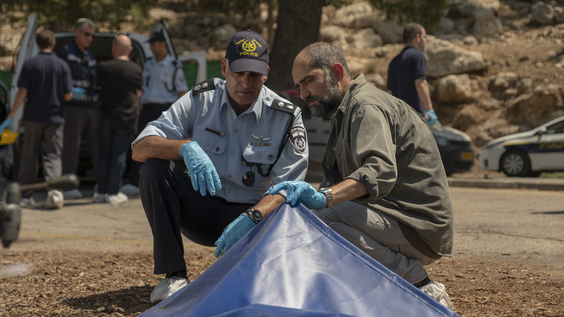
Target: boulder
(532,109)
(542,13)
(444,58)
(488,4)
(489,104)
(332,34)
(365,39)
(484,21)
(355,16)
(445,26)
(223,34)
(559,14)
(454,89)
(390,31)
(502,81)
(377,80)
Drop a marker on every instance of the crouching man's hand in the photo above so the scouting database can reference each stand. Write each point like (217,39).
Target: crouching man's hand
(233,233)
(302,192)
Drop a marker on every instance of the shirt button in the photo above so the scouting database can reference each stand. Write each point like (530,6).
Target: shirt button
(333,149)
(209,144)
(229,176)
(229,190)
(236,130)
(232,153)
(260,155)
(328,167)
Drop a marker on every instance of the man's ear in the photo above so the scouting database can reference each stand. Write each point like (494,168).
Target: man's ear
(224,68)
(339,71)
(265,77)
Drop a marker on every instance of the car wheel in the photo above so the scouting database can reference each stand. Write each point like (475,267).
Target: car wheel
(515,163)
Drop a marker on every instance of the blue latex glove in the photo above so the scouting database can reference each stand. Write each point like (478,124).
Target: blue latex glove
(302,192)
(77,92)
(432,117)
(233,233)
(6,124)
(201,169)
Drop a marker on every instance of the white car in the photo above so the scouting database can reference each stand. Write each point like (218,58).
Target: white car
(527,153)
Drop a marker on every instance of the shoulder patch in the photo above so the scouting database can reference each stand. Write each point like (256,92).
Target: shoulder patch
(298,138)
(283,106)
(206,85)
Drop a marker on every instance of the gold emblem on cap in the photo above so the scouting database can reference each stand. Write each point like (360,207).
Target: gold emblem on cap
(249,48)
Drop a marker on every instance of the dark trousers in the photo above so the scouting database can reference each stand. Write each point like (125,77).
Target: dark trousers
(150,112)
(79,121)
(173,207)
(112,156)
(45,140)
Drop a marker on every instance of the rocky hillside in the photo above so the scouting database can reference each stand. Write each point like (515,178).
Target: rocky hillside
(494,67)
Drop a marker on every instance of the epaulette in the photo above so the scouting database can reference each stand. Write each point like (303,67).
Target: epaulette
(176,63)
(206,85)
(280,105)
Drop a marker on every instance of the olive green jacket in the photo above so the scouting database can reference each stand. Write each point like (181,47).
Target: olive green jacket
(381,141)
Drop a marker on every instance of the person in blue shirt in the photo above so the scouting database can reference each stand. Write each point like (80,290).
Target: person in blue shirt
(163,84)
(80,112)
(407,75)
(237,137)
(46,82)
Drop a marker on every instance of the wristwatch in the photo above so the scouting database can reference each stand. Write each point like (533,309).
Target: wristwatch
(328,196)
(254,214)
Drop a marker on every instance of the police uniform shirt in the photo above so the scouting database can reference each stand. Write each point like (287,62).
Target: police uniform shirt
(255,135)
(158,84)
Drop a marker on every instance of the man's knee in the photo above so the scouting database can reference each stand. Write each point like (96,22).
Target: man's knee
(153,169)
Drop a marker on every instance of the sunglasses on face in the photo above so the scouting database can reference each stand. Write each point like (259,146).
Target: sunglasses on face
(87,34)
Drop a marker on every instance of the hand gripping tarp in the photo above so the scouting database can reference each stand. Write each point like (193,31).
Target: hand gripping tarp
(292,264)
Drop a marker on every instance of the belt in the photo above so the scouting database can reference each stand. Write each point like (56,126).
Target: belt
(417,242)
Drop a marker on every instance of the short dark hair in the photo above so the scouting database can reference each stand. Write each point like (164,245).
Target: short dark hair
(324,55)
(45,39)
(410,32)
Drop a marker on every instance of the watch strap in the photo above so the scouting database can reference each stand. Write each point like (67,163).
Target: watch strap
(328,193)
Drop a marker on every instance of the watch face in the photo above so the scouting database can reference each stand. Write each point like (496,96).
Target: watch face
(256,216)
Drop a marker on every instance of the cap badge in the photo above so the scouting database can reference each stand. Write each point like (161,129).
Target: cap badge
(249,48)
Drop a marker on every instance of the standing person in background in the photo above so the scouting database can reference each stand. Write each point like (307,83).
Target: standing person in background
(407,74)
(80,112)
(120,88)
(163,84)
(46,81)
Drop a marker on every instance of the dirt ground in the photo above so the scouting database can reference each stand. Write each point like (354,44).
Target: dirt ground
(118,284)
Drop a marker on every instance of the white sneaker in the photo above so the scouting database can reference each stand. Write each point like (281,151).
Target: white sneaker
(130,190)
(55,200)
(99,198)
(438,292)
(26,202)
(117,199)
(72,194)
(167,287)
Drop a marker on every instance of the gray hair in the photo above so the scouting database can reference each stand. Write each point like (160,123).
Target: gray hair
(324,55)
(82,21)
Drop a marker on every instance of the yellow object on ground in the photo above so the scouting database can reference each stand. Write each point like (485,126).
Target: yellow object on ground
(8,137)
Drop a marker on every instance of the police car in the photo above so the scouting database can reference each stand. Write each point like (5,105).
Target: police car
(102,48)
(527,153)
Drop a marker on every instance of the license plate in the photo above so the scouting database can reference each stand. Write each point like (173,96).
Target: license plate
(467,156)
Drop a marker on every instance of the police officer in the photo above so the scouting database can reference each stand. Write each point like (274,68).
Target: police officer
(80,112)
(236,137)
(163,84)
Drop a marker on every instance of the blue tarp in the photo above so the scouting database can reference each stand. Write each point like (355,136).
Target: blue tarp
(292,264)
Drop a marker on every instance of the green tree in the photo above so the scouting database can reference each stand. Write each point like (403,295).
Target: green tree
(62,14)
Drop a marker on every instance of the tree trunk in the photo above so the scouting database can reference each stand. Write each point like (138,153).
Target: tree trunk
(298,26)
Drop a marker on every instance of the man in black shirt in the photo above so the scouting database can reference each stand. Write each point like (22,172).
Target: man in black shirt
(120,87)
(407,76)
(46,81)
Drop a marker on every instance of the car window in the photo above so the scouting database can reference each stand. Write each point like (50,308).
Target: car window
(555,128)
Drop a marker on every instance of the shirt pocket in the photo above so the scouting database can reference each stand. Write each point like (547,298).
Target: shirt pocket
(210,142)
(260,155)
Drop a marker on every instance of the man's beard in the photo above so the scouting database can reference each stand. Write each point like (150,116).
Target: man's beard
(328,101)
